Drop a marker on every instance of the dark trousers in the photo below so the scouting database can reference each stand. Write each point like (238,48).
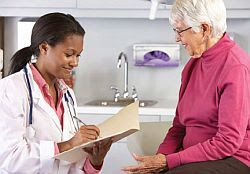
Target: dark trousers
(228,165)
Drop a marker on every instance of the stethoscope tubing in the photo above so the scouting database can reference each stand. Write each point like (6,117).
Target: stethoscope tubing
(67,101)
(30,94)
(65,96)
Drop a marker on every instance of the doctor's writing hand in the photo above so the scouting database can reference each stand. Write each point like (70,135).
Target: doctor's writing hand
(147,164)
(98,152)
(84,135)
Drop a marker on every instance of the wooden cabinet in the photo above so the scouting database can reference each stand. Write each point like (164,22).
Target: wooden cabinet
(39,3)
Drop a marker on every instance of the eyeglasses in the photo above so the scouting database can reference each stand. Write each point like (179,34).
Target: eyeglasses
(178,32)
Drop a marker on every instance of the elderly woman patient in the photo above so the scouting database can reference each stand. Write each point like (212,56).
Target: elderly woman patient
(211,128)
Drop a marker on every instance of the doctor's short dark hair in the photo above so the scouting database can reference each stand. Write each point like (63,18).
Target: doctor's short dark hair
(52,29)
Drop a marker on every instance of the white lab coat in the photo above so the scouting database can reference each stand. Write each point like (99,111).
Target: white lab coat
(21,154)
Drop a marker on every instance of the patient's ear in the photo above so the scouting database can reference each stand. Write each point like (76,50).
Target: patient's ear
(207,30)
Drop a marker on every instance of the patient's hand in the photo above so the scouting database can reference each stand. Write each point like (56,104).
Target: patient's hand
(148,164)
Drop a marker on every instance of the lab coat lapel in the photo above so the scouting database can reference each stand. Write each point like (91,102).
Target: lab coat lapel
(48,111)
(69,122)
(41,103)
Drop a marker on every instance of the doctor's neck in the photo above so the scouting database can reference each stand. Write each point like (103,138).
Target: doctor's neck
(50,80)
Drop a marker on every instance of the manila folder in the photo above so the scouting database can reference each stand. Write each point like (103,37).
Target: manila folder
(119,126)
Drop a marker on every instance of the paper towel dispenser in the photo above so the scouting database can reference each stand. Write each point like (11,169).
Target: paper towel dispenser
(156,55)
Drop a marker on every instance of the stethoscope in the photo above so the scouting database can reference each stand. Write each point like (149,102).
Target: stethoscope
(68,98)
(71,101)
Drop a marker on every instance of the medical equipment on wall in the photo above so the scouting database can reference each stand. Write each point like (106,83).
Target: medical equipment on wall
(30,132)
(156,55)
(154,7)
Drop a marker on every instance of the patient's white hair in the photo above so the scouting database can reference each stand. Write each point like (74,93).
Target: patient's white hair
(195,12)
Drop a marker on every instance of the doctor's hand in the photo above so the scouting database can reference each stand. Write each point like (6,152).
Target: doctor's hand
(147,164)
(85,134)
(98,152)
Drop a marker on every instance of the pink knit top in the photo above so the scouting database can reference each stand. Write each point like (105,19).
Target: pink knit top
(213,113)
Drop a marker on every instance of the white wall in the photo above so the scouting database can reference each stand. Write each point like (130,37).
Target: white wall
(106,38)
(10,41)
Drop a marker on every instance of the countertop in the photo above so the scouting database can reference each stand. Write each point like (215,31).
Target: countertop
(162,107)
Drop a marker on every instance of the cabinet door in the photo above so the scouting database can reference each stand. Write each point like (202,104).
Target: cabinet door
(39,3)
(149,118)
(117,157)
(114,4)
(237,4)
(167,118)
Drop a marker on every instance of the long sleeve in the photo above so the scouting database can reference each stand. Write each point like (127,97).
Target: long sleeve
(18,151)
(233,117)
(173,140)
(88,167)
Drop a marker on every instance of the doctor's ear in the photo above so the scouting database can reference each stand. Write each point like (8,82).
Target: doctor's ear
(43,47)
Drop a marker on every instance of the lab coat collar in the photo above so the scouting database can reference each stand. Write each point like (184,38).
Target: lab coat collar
(60,83)
(38,99)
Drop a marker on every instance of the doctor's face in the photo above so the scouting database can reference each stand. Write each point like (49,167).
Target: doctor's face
(61,59)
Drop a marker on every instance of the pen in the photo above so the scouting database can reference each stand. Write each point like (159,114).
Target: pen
(80,120)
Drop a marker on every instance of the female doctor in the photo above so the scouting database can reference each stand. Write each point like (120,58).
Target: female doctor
(38,118)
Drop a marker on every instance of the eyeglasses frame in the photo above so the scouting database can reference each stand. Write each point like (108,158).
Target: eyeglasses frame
(181,31)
